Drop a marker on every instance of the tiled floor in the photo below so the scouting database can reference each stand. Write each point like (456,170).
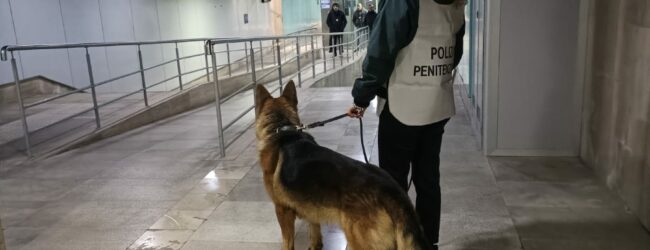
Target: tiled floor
(164,187)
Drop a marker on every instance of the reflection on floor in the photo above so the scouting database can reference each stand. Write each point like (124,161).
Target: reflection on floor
(164,187)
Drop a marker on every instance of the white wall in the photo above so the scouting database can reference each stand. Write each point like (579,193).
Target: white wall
(76,21)
(7,36)
(616,141)
(534,105)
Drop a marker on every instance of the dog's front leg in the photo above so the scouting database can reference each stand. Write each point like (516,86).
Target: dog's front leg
(286,218)
(316,239)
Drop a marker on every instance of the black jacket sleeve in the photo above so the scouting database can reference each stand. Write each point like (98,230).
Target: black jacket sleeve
(355,17)
(329,20)
(394,28)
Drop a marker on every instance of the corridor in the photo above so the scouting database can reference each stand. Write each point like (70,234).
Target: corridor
(164,187)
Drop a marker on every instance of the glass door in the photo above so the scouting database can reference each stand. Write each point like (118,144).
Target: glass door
(472,64)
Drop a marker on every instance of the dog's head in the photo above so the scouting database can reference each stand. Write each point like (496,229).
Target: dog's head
(273,113)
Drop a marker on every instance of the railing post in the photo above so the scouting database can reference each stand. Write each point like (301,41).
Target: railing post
(207,65)
(366,36)
(21,105)
(92,87)
(273,49)
(324,60)
(217,93)
(246,51)
(253,64)
(341,54)
(277,44)
(313,59)
(356,43)
(142,79)
(254,77)
(178,67)
(347,47)
(284,47)
(261,55)
(334,60)
(298,60)
(228,57)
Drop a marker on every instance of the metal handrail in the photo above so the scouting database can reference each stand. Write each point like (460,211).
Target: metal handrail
(9,48)
(294,43)
(266,38)
(5,51)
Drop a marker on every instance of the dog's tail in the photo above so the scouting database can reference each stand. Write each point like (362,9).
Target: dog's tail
(410,235)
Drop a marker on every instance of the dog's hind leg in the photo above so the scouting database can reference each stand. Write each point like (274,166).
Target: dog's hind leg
(286,218)
(316,239)
(369,233)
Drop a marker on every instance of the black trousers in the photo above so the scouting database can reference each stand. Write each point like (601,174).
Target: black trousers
(403,147)
(336,40)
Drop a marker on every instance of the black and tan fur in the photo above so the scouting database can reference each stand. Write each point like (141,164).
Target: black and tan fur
(322,186)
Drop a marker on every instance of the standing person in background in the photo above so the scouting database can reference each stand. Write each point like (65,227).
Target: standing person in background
(359,20)
(371,15)
(413,49)
(336,21)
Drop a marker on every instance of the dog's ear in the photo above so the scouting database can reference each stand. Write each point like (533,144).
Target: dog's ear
(261,95)
(289,93)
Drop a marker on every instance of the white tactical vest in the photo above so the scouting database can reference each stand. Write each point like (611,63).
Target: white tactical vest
(420,89)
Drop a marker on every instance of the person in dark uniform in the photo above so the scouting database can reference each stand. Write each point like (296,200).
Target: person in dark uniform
(414,47)
(359,16)
(336,21)
(371,15)
(359,21)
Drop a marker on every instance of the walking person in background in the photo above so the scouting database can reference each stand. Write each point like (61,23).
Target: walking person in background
(336,21)
(413,49)
(371,15)
(359,21)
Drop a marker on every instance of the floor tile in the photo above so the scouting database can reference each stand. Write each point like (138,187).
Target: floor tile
(83,239)
(161,240)
(549,169)
(578,224)
(224,245)
(472,200)
(200,202)
(537,244)
(549,194)
(181,220)
(35,190)
(215,186)
(249,189)
(460,231)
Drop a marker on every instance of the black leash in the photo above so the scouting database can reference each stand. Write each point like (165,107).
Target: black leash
(363,146)
(322,123)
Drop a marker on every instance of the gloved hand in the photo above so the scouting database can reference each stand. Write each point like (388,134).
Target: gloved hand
(356,111)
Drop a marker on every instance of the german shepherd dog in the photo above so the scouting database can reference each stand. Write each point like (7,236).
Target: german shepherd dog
(319,185)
